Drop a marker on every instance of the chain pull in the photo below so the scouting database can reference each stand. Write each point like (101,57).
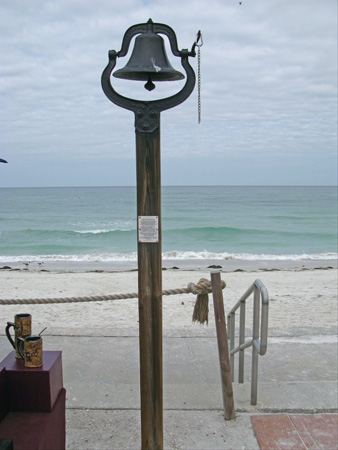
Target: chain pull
(199,43)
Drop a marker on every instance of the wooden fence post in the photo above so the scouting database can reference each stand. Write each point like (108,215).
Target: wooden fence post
(223,350)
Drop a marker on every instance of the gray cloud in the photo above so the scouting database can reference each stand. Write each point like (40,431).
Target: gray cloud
(269,71)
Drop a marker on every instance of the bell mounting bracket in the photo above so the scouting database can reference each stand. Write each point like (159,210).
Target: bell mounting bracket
(147,113)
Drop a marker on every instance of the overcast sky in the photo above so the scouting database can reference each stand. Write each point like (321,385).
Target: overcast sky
(269,93)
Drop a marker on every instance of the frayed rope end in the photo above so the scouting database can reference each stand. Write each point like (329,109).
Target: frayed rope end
(201,309)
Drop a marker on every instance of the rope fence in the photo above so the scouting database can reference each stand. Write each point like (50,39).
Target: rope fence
(202,287)
(201,309)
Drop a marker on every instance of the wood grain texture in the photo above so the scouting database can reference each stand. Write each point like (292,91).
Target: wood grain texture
(148,165)
(223,351)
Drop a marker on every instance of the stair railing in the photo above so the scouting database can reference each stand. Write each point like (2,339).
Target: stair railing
(259,339)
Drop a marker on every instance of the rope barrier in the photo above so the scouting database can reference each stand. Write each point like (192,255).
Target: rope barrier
(202,287)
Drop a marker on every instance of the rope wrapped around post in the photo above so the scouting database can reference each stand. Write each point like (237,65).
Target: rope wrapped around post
(201,309)
(201,287)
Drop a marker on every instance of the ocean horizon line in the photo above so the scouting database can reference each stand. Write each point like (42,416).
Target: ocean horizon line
(179,186)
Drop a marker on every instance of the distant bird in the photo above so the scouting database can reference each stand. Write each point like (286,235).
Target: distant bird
(27,264)
(240,3)
(3,160)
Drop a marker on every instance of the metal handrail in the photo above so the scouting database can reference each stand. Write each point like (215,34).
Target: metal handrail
(259,340)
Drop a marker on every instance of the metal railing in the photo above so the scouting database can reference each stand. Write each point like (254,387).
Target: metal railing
(259,339)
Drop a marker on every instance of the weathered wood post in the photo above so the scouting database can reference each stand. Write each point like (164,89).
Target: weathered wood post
(149,63)
(148,167)
(223,350)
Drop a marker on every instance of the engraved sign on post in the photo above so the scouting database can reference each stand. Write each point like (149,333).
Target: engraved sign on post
(148,229)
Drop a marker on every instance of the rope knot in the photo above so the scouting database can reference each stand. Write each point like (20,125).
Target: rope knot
(202,287)
(201,309)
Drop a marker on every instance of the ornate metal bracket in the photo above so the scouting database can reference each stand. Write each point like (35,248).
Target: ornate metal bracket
(147,113)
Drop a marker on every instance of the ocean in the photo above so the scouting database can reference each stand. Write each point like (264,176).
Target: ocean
(98,224)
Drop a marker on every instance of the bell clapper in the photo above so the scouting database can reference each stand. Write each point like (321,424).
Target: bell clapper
(149,84)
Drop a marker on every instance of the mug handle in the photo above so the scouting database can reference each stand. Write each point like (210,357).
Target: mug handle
(10,324)
(20,343)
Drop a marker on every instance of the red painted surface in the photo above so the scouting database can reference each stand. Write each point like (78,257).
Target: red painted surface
(33,403)
(33,389)
(296,431)
(37,431)
(4,405)
(320,430)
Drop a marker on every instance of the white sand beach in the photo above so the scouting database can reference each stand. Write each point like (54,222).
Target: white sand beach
(103,398)
(298,299)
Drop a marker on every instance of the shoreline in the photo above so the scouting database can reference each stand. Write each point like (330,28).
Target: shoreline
(302,300)
(226,266)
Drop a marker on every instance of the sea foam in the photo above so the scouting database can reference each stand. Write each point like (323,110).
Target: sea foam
(172,255)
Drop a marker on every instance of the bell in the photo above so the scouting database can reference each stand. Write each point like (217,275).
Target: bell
(149,62)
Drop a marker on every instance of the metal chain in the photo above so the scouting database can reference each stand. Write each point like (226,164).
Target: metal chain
(199,45)
(199,83)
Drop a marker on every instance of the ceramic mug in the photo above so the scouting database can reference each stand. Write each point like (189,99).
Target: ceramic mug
(30,350)
(22,328)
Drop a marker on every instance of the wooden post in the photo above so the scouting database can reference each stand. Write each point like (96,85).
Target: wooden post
(223,350)
(148,168)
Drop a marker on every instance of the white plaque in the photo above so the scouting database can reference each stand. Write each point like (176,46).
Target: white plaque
(148,229)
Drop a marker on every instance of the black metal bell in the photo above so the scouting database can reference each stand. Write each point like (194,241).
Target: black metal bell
(149,62)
